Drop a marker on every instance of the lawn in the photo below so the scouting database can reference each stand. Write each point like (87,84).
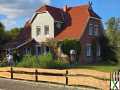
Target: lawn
(104,68)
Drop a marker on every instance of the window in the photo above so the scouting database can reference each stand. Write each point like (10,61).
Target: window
(46,28)
(27,50)
(58,25)
(38,30)
(38,50)
(88,50)
(91,29)
(98,51)
(96,30)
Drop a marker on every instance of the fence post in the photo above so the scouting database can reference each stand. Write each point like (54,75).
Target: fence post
(66,76)
(11,71)
(36,75)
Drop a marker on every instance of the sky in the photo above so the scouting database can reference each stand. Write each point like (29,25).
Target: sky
(14,13)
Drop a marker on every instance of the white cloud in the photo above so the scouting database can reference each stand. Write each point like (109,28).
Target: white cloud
(14,9)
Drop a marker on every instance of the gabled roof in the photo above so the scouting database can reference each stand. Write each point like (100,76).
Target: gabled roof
(79,18)
(75,22)
(56,13)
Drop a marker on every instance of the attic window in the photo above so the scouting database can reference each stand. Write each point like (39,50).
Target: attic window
(91,29)
(38,30)
(96,29)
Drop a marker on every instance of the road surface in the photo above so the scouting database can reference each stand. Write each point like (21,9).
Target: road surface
(8,84)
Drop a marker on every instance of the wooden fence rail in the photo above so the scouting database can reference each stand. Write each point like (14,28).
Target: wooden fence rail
(65,77)
(37,74)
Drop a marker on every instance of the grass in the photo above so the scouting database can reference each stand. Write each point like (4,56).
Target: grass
(99,67)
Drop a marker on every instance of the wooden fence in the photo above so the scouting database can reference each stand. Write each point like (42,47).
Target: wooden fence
(79,77)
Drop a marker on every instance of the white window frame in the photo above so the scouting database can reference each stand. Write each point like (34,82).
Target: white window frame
(96,29)
(88,50)
(91,29)
(46,26)
(38,32)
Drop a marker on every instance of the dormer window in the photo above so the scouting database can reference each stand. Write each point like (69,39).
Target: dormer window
(58,25)
(46,29)
(38,30)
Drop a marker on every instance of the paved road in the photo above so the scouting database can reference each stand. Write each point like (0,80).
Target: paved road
(8,84)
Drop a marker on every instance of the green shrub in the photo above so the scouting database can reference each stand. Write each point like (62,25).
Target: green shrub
(28,61)
(42,61)
(45,60)
(3,63)
(58,64)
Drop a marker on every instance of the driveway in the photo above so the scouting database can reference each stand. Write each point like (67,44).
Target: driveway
(8,84)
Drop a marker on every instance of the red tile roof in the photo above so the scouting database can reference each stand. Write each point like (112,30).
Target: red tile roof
(79,18)
(75,22)
(56,13)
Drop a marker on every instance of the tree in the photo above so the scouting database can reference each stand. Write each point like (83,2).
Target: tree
(113,23)
(1,26)
(2,34)
(13,33)
(111,40)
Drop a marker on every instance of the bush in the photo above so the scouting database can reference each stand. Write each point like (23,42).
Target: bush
(42,61)
(59,64)
(28,61)
(45,60)
(3,63)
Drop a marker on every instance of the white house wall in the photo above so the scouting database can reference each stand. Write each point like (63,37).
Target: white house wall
(41,20)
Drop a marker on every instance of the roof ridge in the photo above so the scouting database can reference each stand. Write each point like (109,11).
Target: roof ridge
(48,6)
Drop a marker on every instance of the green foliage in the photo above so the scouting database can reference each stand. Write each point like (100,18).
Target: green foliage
(42,61)
(13,33)
(45,60)
(59,64)
(67,45)
(7,36)
(3,63)
(2,34)
(107,51)
(110,42)
(113,23)
(28,61)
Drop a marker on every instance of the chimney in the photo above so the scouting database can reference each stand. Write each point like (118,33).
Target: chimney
(65,8)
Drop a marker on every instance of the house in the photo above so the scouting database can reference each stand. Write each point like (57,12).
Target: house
(79,22)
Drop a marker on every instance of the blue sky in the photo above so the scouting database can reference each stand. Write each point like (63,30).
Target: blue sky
(14,13)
